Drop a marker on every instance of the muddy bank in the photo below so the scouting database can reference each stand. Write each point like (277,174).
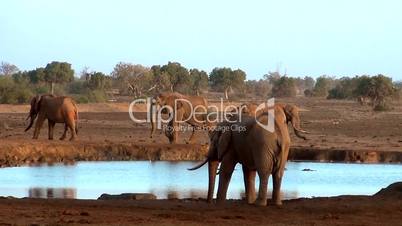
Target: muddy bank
(344,155)
(34,152)
(65,152)
(383,209)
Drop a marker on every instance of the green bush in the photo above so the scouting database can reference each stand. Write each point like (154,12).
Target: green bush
(97,96)
(81,99)
(382,107)
(322,86)
(308,93)
(284,87)
(76,87)
(41,90)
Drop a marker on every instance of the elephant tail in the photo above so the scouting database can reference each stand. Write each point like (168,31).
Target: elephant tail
(199,165)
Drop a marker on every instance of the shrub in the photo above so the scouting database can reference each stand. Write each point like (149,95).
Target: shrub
(81,99)
(96,96)
(322,86)
(308,93)
(382,107)
(284,87)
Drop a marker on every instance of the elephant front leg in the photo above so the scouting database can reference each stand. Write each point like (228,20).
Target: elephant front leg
(38,126)
(170,132)
(225,174)
(191,139)
(249,184)
(212,168)
(51,125)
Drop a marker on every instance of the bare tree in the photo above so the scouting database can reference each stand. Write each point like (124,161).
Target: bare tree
(8,69)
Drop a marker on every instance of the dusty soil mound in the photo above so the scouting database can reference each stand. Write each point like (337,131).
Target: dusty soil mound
(392,191)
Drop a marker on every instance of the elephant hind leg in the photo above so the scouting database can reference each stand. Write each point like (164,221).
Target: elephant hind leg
(63,137)
(249,184)
(262,190)
(277,181)
(71,126)
(51,125)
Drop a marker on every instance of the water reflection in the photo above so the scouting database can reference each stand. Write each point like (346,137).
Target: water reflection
(52,193)
(88,180)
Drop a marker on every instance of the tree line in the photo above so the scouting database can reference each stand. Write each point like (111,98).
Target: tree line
(136,80)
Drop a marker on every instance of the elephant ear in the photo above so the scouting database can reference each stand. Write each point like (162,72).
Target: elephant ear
(33,104)
(288,109)
(36,104)
(223,143)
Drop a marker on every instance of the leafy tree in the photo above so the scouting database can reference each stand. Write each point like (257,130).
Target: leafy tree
(98,81)
(309,82)
(58,72)
(36,76)
(178,75)
(260,88)
(272,77)
(225,79)
(284,87)
(308,93)
(345,89)
(378,88)
(160,80)
(12,92)
(199,80)
(133,79)
(8,69)
(322,86)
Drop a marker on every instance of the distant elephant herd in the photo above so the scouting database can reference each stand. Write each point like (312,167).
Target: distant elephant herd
(258,150)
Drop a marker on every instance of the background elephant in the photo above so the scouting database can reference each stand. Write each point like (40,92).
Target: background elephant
(283,114)
(291,111)
(56,110)
(185,108)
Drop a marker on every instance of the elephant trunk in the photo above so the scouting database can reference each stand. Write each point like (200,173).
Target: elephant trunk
(151,106)
(212,168)
(297,129)
(32,117)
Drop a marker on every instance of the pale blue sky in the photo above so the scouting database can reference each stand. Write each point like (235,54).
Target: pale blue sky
(303,37)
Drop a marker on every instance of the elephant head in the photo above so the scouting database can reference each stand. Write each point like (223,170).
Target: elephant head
(33,112)
(161,100)
(35,108)
(290,110)
(292,115)
(155,104)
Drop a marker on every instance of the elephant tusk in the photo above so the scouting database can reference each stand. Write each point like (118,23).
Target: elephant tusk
(219,171)
(298,133)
